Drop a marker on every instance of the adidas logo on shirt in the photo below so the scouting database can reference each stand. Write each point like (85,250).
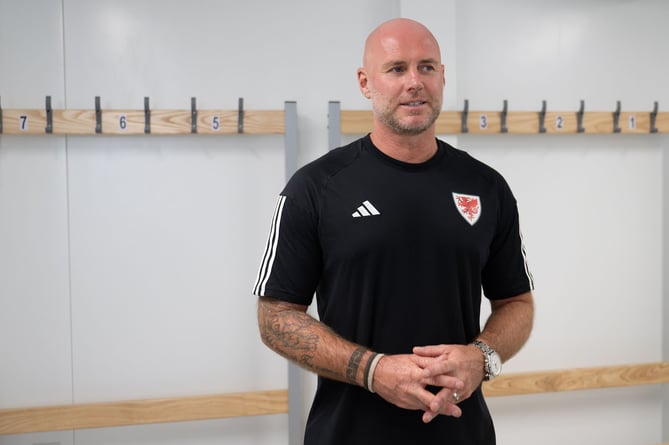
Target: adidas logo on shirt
(366,209)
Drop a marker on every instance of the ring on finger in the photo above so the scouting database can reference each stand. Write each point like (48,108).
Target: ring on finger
(456,397)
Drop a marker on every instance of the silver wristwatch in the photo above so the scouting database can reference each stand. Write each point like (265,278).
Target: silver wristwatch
(493,363)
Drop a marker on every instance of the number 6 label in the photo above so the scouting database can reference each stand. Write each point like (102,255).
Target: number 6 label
(122,122)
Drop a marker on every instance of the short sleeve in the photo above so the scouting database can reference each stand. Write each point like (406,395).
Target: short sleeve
(506,273)
(291,264)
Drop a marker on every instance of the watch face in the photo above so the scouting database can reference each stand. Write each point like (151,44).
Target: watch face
(495,364)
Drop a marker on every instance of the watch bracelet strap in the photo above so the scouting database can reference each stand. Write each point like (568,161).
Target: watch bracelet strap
(486,350)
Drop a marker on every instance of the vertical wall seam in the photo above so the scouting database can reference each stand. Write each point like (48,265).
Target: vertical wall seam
(664,146)
(67,210)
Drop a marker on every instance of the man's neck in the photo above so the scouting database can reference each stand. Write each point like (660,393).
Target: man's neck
(413,149)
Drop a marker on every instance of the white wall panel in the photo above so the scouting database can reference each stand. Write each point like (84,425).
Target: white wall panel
(34,303)
(165,247)
(618,416)
(31,53)
(34,290)
(261,430)
(596,50)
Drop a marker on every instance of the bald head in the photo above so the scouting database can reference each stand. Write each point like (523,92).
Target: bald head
(390,35)
(404,78)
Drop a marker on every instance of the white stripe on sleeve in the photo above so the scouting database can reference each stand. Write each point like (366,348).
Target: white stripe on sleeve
(270,250)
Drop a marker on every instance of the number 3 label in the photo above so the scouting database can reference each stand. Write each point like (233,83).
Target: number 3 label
(483,122)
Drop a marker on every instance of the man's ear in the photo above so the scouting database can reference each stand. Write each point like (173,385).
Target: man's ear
(363,83)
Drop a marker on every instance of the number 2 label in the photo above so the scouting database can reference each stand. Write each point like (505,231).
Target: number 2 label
(559,122)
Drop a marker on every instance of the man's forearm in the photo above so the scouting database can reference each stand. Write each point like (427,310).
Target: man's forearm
(288,330)
(509,325)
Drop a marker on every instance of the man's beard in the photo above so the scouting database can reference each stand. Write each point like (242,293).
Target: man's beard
(400,128)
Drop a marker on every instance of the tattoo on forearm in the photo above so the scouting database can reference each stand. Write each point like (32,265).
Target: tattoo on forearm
(297,336)
(289,334)
(354,364)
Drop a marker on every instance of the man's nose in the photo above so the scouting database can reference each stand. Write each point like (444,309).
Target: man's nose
(414,80)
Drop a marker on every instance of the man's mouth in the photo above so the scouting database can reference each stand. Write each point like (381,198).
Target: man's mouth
(415,103)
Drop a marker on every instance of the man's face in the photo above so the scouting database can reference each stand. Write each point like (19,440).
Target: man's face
(404,78)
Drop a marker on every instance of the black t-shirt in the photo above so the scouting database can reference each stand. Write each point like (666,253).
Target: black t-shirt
(397,255)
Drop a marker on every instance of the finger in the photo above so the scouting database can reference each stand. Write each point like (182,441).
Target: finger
(448,410)
(425,399)
(445,402)
(425,361)
(430,350)
(445,381)
(439,367)
(444,398)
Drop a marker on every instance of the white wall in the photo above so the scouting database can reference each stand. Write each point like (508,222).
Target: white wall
(126,263)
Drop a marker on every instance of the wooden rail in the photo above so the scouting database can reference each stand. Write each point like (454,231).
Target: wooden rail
(577,379)
(524,122)
(138,412)
(134,122)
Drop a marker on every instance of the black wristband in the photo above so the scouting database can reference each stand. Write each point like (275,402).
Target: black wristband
(368,366)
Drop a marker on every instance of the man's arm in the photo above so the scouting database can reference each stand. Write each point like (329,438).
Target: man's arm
(287,329)
(509,325)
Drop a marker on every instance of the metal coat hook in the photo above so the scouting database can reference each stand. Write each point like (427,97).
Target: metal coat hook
(653,119)
(147,116)
(504,129)
(49,116)
(579,117)
(240,116)
(463,122)
(542,117)
(98,116)
(193,115)
(616,118)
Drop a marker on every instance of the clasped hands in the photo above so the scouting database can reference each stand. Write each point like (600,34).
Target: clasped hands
(402,379)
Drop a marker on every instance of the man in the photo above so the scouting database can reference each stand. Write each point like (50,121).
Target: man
(397,233)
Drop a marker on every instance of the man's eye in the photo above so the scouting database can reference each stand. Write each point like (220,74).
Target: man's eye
(427,68)
(396,69)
